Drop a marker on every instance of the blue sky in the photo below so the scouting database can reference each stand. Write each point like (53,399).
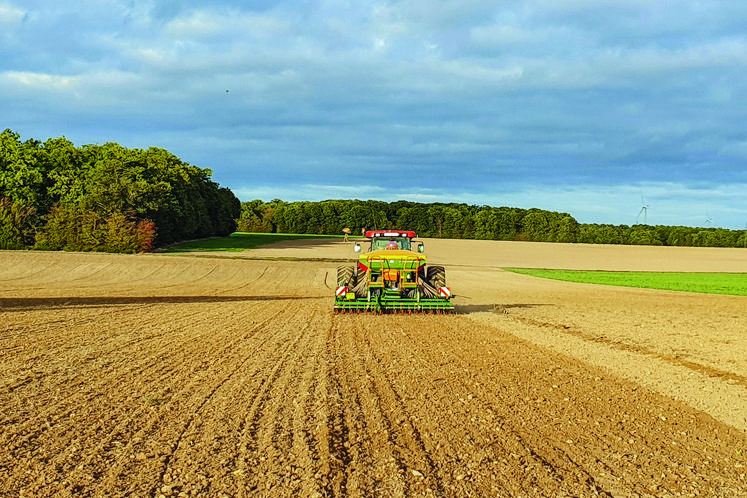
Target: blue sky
(588,107)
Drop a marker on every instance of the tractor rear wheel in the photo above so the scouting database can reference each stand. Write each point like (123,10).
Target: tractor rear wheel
(360,284)
(437,276)
(344,275)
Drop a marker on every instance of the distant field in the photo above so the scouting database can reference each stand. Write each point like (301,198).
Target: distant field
(710,283)
(240,241)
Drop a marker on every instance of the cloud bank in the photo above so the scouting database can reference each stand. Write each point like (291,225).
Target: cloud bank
(580,106)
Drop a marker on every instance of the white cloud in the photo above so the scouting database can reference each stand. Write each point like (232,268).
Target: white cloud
(211,23)
(93,95)
(586,5)
(655,60)
(310,192)
(588,66)
(40,81)
(196,25)
(10,15)
(500,35)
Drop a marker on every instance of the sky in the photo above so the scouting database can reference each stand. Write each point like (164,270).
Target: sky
(595,108)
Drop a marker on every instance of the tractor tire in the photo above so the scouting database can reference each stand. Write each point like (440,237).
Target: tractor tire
(345,275)
(437,276)
(360,283)
(434,277)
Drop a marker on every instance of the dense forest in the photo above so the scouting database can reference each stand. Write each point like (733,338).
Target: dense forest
(462,221)
(54,195)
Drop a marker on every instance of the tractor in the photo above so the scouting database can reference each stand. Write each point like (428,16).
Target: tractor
(392,277)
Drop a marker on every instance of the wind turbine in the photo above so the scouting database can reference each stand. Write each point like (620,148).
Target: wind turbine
(644,211)
(708,220)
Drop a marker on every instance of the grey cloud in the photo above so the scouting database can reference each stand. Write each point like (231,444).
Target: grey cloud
(478,96)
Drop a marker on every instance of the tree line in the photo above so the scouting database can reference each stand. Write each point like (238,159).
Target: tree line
(462,221)
(56,196)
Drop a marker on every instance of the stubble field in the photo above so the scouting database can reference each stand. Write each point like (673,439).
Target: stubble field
(230,376)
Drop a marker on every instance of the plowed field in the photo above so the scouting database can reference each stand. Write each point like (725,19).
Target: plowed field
(230,376)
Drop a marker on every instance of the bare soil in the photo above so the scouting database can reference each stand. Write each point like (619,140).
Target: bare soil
(170,375)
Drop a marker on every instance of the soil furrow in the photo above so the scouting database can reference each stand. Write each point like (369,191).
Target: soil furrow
(187,401)
(457,465)
(249,391)
(569,422)
(269,438)
(366,394)
(84,394)
(617,344)
(159,375)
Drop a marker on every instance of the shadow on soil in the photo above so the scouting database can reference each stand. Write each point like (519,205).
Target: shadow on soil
(465,309)
(21,304)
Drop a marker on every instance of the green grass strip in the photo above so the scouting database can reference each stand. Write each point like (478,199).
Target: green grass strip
(734,284)
(239,241)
